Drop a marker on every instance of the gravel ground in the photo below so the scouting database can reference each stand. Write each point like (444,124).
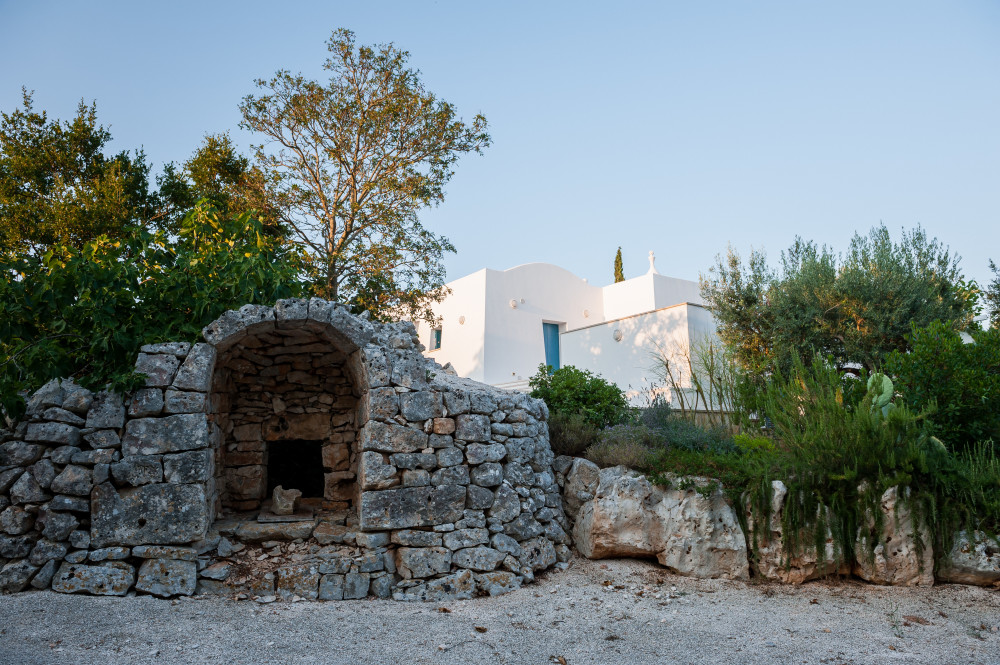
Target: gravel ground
(598,612)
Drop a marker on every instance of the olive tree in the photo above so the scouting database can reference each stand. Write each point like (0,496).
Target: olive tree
(350,162)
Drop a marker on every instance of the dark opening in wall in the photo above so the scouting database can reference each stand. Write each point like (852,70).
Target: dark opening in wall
(296,465)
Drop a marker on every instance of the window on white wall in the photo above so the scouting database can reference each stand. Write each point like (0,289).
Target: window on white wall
(435,339)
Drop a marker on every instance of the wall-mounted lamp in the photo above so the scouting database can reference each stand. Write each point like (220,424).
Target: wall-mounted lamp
(617,334)
(513,304)
(461,320)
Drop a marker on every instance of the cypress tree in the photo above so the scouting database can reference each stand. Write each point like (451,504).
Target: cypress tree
(619,272)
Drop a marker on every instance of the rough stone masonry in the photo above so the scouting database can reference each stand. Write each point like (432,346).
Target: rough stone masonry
(424,485)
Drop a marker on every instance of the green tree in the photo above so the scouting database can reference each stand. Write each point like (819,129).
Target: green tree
(57,186)
(992,296)
(619,272)
(83,312)
(959,382)
(218,173)
(854,308)
(349,163)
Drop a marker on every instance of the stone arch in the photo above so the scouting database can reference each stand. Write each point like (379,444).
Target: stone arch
(286,397)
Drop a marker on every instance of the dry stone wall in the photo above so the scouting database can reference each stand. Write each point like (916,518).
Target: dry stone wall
(432,485)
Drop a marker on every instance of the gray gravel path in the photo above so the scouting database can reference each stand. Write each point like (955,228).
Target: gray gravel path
(616,612)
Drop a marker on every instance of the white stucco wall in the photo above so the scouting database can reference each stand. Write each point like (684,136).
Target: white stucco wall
(463,327)
(632,363)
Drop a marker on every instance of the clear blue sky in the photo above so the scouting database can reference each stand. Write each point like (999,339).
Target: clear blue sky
(672,126)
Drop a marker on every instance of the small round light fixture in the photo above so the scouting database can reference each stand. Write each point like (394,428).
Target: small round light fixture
(586,313)
(513,304)
(617,335)
(461,320)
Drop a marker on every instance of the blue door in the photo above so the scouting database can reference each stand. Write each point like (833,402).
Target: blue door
(550,333)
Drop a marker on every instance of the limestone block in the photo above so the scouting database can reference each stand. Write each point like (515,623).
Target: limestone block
(523,527)
(146,402)
(378,367)
(581,485)
(117,553)
(159,369)
(15,520)
(165,552)
(375,473)
(44,472)
(452,475)
(482,559)
(27,490)
(472,427)
(161,513)
(56,414)
(477,453)
(411,538)
(356,585)
(9,477)
(699,536)
(519,475)
(15,575)
(331,587)
(56,526)
(77,398)
(300,580)
(402,508)
(106,412)
(506,505)
(383,403)
(391,438)
(194,466)
(972,560)
(53,433)
(234,325)
(444,426)
(409,369)
(421,405)
(51,394)
(381,587)
(256,532)
(154,436)
(196,372)
(479,498)
(537,554)
(893,556)
(619,522)
(179,349)
(283,502)
(74,480)
(487,474)
(138,470)
(108,579)
(290,313)
(105,438)
(17,547)
(462,538)
(177,401)
(167,577)
(422,561)
(496,583)
(43,578)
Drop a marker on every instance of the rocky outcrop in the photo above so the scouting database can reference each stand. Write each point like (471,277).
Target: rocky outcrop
(775,559)
(974,559)
(893,555)
(689,533)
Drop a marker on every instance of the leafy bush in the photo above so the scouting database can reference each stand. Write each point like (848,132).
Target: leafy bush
(627,444)
(570,390)
(678,431)
(84,313)
(960,382)
(571,433)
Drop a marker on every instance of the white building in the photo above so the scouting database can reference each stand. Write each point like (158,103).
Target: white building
(499,326)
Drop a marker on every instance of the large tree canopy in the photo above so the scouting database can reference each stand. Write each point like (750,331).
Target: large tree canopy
(218,173)
(58,187)
(349,163)
(856,308)
(83,312)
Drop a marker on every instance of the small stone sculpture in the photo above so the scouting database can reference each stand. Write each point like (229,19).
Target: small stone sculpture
(284,502)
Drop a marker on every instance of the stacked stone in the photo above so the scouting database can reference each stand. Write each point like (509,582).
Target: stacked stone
(286,384)
(47,469)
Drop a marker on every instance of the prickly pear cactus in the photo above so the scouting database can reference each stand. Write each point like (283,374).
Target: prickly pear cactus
(881,385)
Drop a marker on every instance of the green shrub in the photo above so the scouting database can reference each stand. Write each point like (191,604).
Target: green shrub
(678,431)
(571,390)
(627,444)
(960,382)
(571,433)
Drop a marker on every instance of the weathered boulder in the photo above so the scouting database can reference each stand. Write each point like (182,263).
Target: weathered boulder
(283,501)
(581,485)
(972,560)
(457,586)
(689,533)
(113,578)
(773,562)
(894,556)
(15,575)
(422,561)
(161,513)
